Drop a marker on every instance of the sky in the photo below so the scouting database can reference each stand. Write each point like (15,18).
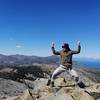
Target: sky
(28,27)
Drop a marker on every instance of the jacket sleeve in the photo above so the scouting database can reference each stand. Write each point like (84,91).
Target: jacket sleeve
(77,51)
(54,51)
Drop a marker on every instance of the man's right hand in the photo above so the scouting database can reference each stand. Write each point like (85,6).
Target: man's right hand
(53,44)
(78,43)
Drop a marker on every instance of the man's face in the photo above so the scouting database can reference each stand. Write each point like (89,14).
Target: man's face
(64,49)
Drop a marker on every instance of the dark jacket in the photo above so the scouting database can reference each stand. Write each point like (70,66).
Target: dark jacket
(66,57)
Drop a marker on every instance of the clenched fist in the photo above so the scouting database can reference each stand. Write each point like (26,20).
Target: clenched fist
(78,43)
(53,44)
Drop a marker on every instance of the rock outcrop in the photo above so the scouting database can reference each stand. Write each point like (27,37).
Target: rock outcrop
(61,91)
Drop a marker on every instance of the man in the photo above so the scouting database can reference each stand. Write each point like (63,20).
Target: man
(66,63)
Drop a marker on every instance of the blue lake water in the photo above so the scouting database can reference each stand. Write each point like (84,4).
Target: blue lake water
(91,64)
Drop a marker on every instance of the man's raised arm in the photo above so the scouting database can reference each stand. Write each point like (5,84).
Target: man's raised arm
(54,51)
(79,48)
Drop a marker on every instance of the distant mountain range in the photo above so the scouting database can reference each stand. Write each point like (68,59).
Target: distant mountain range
(22,59)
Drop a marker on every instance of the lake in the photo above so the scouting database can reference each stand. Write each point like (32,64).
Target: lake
(91,64)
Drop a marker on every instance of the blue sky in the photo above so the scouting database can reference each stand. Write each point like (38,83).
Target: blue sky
(29,26)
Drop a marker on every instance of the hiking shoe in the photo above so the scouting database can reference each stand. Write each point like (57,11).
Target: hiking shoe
(52,84)
(76,79)
(81,85)
(49,82)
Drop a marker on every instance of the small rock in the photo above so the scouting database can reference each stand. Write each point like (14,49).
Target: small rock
(14,98)
(60,82)
(86,96)
(58,96)
(26,96)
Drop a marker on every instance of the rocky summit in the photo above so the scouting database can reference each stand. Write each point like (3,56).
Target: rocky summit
(27,82)
(61,91)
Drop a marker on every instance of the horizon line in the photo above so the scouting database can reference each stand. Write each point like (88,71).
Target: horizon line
(48,56)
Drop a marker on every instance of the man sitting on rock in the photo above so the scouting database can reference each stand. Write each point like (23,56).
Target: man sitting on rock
(66,63)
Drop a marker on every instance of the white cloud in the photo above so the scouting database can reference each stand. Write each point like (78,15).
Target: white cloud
(18,46)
